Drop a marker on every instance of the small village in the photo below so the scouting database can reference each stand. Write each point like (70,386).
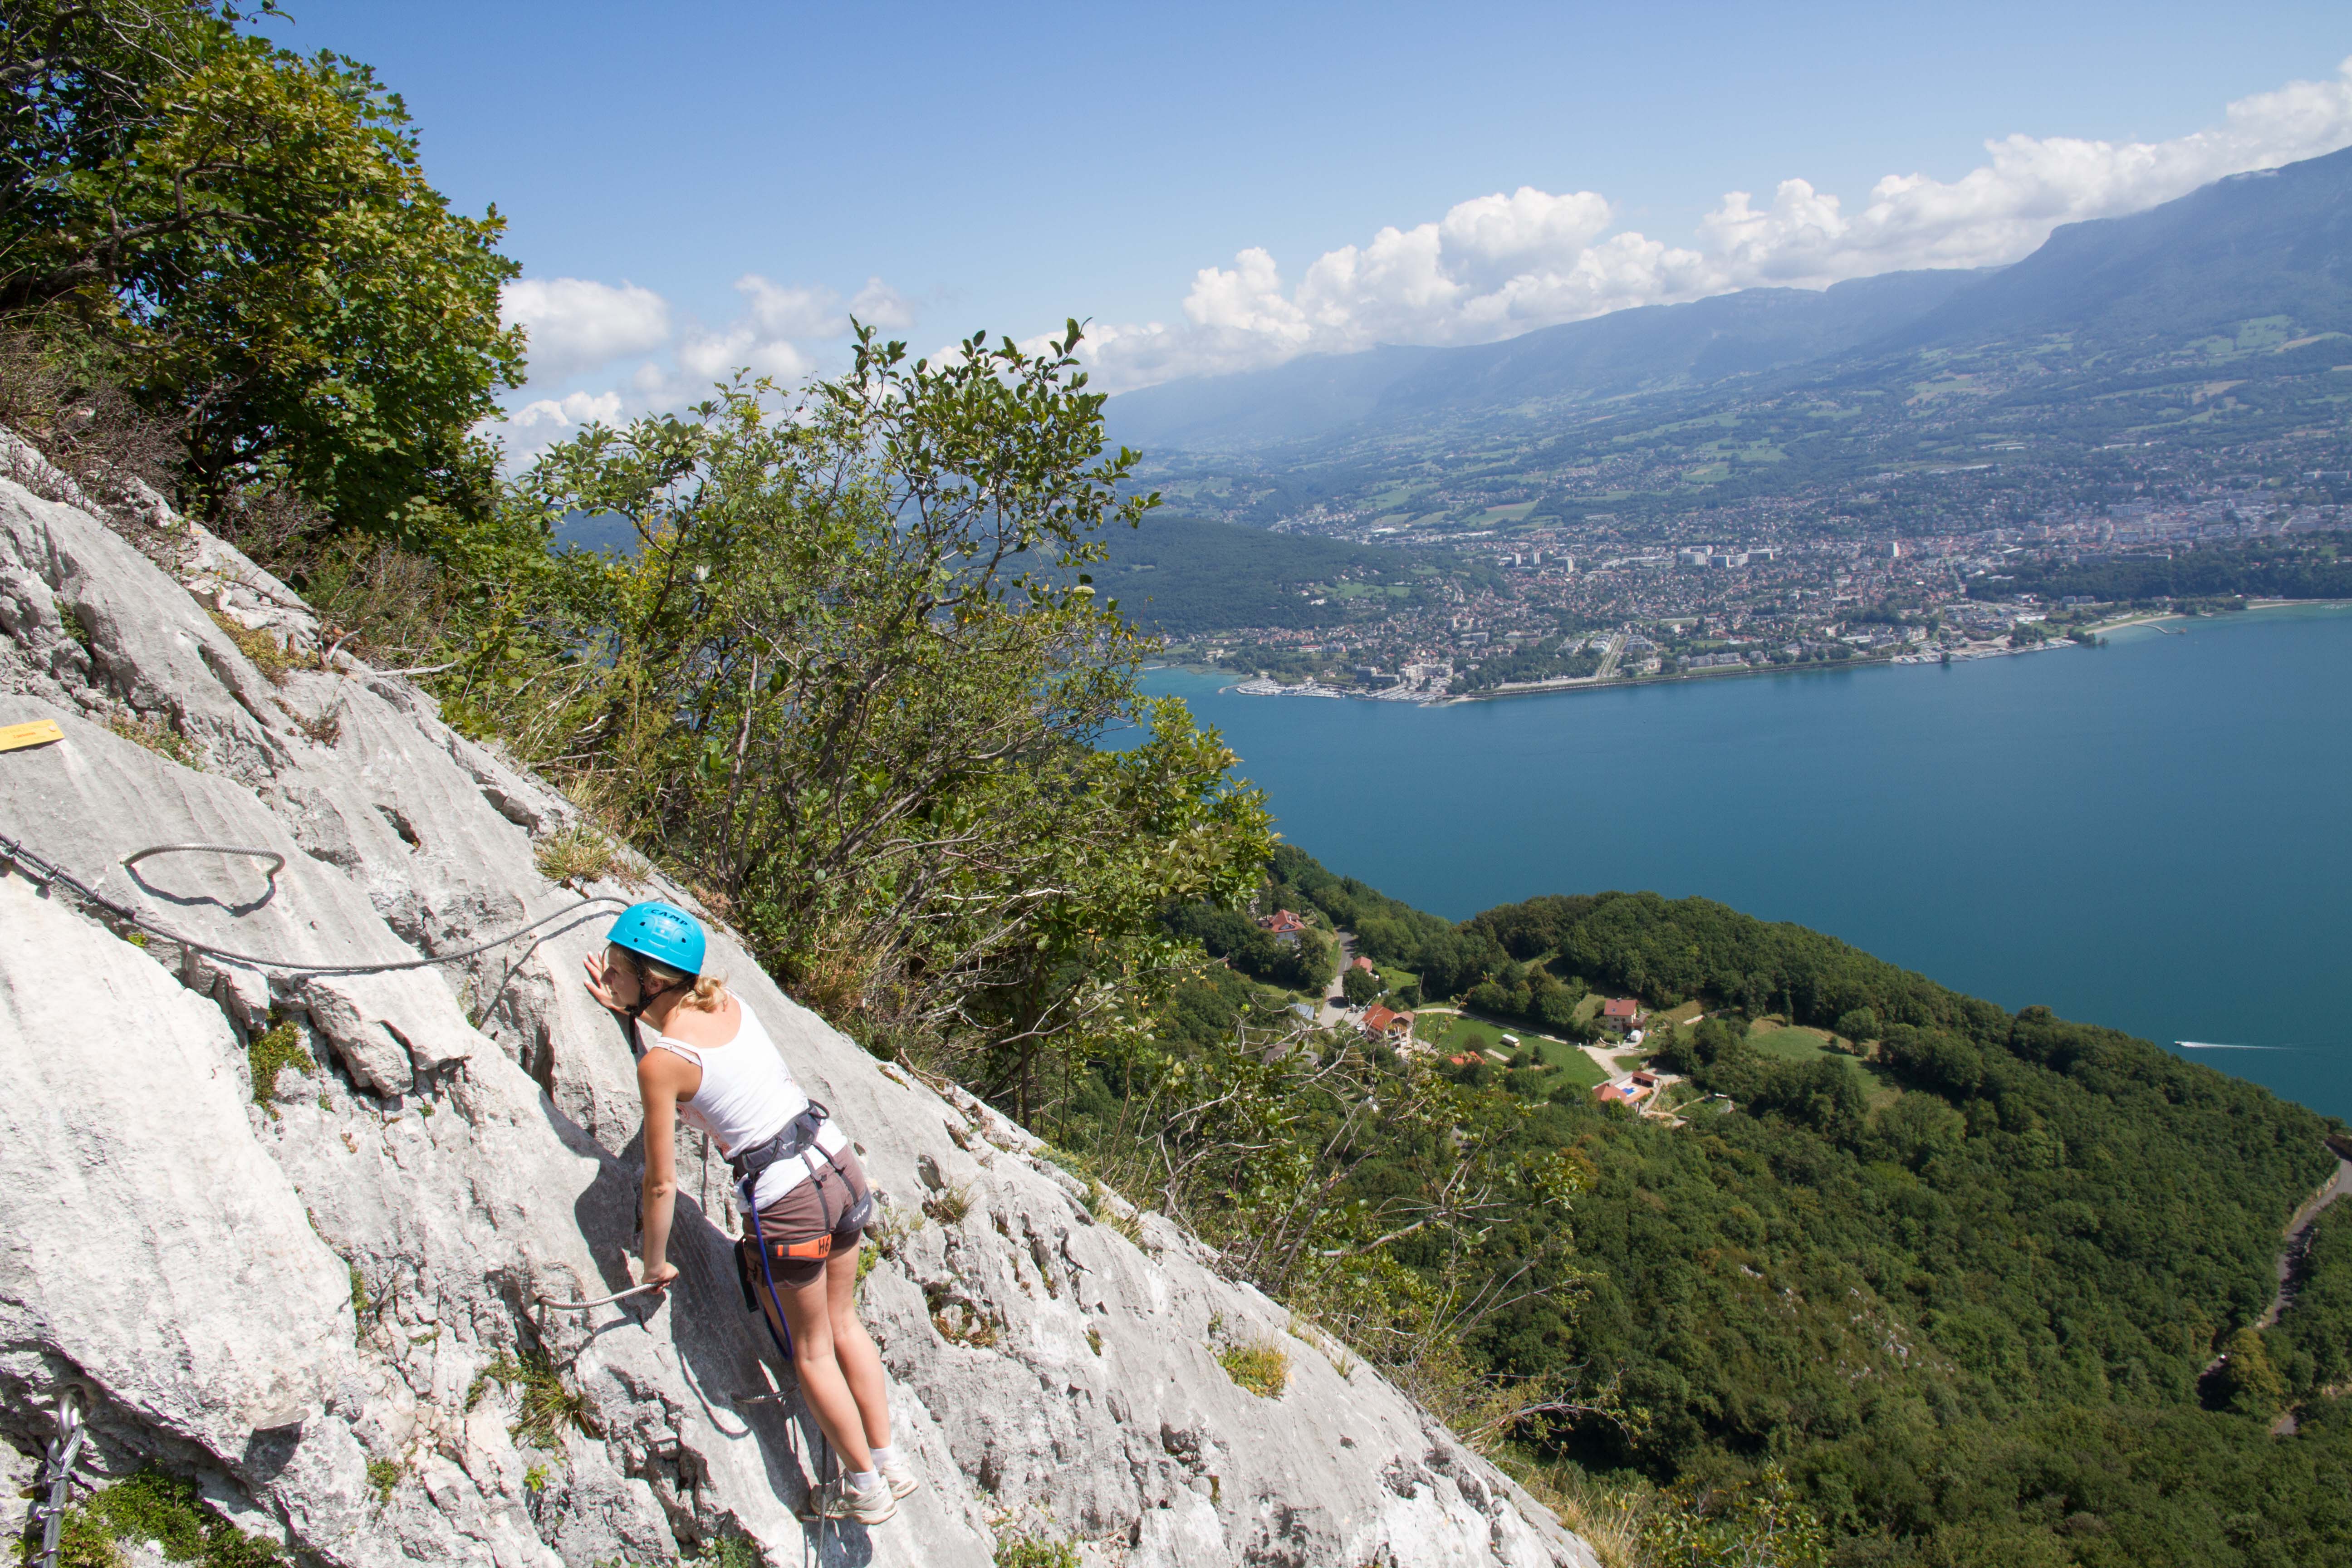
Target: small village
(1613,1067)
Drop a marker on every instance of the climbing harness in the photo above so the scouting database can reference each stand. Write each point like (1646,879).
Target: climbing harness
(793,1142)
(39,869)
(57,1474)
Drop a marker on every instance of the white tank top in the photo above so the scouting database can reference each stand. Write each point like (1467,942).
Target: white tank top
(746,1097)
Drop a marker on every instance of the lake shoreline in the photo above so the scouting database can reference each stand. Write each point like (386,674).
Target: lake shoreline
(1261,686)
(1960,826)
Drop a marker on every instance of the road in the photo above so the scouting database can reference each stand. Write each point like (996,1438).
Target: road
(1326,1015)
(2298,1238)
(1609,660)
(2290,1258)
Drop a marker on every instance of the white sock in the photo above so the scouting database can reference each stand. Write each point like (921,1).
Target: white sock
(863,1480)
(884,1454)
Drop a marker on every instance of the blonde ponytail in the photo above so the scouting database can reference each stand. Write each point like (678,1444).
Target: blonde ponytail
(709,991)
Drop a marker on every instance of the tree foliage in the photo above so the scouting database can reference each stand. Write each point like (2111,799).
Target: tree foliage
(247,239)
(842,685)
(1962,1292)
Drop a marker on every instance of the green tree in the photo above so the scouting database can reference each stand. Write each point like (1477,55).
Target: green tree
(2252,1382)
(245,238)
(846,685)
(1360,986)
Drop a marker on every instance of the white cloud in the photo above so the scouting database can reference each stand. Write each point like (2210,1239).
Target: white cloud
(879,305)
(1497,266)
(579,328)
(576,324)
(548,418)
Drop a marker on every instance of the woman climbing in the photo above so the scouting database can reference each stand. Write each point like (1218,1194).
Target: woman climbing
(704,1059)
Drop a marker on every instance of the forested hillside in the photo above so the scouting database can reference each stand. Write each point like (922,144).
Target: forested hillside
(1182,577)
(2311,566)
(1962,1285)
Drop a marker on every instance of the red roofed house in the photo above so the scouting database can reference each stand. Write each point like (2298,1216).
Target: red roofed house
(1282,925)
(1632,1091)
(1365,964)
(1619,1012)
(1467,1059)
(1380,1020)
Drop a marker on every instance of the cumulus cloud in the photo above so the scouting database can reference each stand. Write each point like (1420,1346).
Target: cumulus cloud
(548,418)
(576,324)
(1499,265)
(580,327)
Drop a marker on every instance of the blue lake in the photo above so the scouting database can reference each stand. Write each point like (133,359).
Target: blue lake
(2156,835)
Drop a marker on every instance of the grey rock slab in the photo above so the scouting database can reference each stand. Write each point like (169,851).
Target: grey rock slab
(153,1250)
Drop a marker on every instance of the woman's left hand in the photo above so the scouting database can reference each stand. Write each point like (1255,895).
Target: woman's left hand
(600,985)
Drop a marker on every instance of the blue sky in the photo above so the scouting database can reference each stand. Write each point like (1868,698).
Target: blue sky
(1212,183)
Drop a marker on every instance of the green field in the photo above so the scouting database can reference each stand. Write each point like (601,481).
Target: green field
(1802,1045)
(1558,1061)
(1789,1045)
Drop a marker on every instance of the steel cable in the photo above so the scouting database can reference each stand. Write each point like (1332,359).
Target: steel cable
(47,871)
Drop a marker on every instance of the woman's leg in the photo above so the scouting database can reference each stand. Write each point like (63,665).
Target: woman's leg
(853,1348)
(823,1389)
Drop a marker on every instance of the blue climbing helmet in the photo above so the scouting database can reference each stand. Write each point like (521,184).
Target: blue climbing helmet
(662,932)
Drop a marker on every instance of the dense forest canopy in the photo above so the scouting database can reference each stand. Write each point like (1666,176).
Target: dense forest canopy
(1968,1290)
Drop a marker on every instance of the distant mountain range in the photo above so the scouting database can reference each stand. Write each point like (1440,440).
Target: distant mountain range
(2275,243)
(1652,348)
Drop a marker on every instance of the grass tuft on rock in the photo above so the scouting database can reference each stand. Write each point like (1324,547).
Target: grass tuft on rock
(260,649)
(152,1506)
(547,1404)
(1036,1551)
(272,1051)
(1263,1368)
(159,738)
(580,854)
(383,1476)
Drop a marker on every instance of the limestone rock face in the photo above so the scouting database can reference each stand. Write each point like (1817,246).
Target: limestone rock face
(326,1296)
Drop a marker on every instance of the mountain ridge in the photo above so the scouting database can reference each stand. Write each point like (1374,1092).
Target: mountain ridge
(2273,242)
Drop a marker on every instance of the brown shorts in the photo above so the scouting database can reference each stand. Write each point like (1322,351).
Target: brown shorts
(803,1230)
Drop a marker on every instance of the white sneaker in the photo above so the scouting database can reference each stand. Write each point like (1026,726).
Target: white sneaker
(836,1499)
(903,1482)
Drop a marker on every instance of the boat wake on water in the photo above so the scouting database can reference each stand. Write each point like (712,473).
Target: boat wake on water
(2212,1046)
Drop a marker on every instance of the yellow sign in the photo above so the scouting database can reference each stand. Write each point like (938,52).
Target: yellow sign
(40,733)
